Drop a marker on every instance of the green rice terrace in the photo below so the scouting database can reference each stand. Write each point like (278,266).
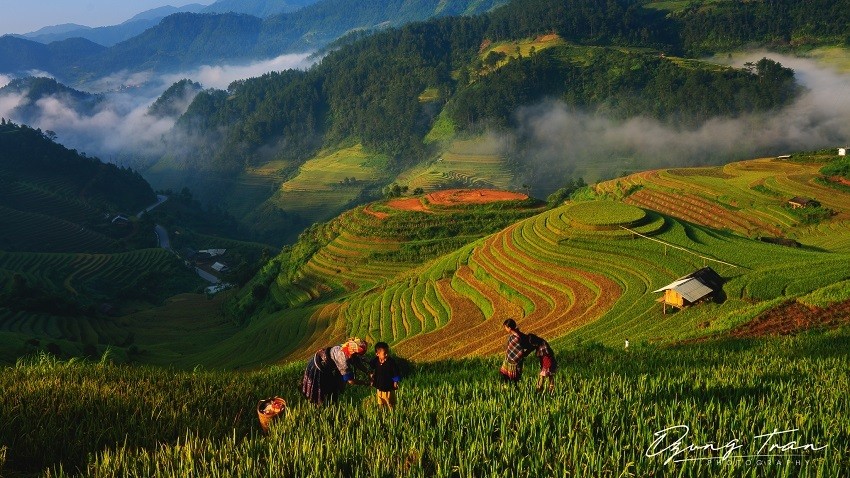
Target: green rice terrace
(328,183)
(583,271)
(471,163)
(435,274)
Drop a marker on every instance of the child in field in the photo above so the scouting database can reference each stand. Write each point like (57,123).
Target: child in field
(548,365)
(386,375)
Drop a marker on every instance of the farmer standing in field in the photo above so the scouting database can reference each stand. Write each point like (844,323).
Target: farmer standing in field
(518,347)
(331,368)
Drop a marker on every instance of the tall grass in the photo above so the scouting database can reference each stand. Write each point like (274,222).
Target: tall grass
(454,418)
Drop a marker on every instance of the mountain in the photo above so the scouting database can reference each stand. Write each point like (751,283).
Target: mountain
(112,34)
(383,99)
(42,171)
(164,11)
(185,40)
(30,90)
(257,8)
(695,30)
(175,100)
(56,30)
(19,55)
(182,40)
(72,252)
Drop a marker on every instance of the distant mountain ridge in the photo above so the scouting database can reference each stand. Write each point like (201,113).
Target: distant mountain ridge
(257,8)
(193,39)
(113,34)
(22,55)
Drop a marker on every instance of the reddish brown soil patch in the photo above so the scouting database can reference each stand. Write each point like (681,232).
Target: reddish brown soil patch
(840,180)
(547,38)
(455,197)
(793,317)
(380,215)
(408,204)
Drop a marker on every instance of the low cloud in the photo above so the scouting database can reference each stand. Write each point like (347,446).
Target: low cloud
(560,142)
(221,76)
(4,80)
(118,128)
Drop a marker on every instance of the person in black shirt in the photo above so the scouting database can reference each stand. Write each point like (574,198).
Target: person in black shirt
(386,375)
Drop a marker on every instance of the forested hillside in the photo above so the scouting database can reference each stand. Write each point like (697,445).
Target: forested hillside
(390,90)
(27,154)
(30,90)
(711,26)
(406,93)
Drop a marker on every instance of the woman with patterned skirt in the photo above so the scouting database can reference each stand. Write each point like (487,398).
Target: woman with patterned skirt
(331,368)
(511,369)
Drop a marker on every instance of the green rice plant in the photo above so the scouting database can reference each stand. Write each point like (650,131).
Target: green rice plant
(467,290)
(604,213)
(454,418)
(826,296)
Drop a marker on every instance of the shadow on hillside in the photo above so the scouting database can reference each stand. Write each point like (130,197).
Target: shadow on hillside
(723,394)
(822,346)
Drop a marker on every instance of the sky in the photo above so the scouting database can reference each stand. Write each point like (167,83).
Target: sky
(27,16)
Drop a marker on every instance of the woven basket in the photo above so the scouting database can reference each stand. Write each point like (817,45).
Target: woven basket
(268,409)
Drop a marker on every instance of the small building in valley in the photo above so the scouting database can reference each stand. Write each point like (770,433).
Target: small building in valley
(695,287)
(220,267)
(213,252)
(798,202)
(842,151)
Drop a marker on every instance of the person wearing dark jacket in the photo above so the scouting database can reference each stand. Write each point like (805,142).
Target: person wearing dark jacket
(385,375)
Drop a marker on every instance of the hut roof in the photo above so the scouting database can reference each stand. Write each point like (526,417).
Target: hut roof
(691,289)
(800,200)
(696,285)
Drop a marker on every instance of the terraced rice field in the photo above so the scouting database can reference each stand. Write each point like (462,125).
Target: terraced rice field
(26,231)
(571,273)
(37,198)
(324,187)
(96,277)
(253,187)
(475,163)
(320,190)
(582,272)
(523,47)
(747,197)
(364,253)
(465,197)
(95,273)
